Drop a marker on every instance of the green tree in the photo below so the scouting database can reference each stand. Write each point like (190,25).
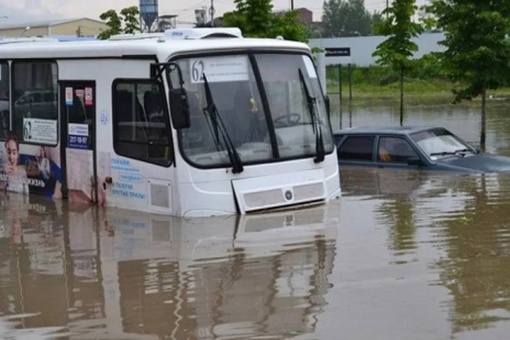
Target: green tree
(427,19)
(287,25)
(114,23)
(376,19)
(477,49)
(398,48)
(130,17)
(126,22)
(347,18)
(256,19)
(253,17)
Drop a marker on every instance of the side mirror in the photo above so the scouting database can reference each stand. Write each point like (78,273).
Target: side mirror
(179,108)
(416,161)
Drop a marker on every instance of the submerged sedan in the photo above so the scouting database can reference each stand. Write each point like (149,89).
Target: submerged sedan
(427,148)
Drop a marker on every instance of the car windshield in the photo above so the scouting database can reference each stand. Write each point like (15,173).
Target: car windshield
(283,126)
(440,143)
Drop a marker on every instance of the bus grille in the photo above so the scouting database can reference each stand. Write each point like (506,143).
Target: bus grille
(277,197)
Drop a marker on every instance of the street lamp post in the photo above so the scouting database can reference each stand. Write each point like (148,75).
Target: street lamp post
(24,31)
(211,12)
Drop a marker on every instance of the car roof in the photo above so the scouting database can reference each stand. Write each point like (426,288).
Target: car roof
(36,91)
(399,130)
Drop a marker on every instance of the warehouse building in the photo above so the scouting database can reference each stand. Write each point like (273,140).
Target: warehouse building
(81,27)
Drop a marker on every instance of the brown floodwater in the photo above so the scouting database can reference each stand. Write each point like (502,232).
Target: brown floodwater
(402,255)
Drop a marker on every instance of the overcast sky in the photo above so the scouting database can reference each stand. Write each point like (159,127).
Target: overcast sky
(26,10)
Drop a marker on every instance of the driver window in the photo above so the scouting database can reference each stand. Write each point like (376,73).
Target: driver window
(141,126)
(394,150)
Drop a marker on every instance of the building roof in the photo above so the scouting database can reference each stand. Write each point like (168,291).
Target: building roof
(43,23)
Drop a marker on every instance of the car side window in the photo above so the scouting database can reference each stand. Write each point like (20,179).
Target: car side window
(357,148)
(394,150)
(23,100)
(37,98)
(49,97)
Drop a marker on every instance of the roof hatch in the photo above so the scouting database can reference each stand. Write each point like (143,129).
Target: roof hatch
(203,33)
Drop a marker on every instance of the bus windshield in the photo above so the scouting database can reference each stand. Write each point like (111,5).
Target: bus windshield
(270,105)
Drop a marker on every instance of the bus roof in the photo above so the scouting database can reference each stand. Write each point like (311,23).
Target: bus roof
(13,40)
(161,45)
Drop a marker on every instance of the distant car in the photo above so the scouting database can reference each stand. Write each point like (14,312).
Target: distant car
(4,105)
(427,148)
(39,104)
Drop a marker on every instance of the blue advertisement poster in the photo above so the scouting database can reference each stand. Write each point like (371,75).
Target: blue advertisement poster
(78,136)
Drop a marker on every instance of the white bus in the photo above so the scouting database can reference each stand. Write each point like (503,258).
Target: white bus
(190,122)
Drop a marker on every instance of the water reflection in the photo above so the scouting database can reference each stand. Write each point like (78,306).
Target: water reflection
(98,273)
(476,243)
(467,221)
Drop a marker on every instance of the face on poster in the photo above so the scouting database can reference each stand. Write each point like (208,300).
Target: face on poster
(28,168)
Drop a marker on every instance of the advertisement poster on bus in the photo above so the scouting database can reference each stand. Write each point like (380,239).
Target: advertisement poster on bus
(36,169)
(41,131)
(29,168)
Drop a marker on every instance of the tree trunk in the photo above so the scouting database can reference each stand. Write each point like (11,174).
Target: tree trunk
(401,96)
(484,114)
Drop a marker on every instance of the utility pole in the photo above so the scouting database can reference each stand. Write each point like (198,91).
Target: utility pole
(211,12)
(292,5)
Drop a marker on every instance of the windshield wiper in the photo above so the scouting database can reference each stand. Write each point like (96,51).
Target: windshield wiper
(219,127)
(463,150)
(444,153)
(447,153)
(319,141)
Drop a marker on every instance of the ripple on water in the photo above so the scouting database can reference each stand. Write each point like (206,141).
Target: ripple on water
(11,327)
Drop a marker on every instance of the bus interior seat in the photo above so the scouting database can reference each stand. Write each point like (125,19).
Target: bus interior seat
(124,101)
(153,106)
(194,135)
(128,119)
(237,119)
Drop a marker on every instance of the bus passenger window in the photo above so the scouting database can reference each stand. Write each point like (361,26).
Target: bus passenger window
(34,99)
(141,122)
(4,100)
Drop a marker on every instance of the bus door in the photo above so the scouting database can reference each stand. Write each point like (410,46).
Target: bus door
(78,141)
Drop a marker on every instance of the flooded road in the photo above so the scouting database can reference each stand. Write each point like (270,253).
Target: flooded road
(402,255)
(423,256)
(88,273)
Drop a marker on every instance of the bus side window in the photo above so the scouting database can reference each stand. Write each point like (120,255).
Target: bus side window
(34,86)
(141,123)
(4,100)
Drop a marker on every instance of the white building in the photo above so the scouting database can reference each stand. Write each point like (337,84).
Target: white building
(362,47)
